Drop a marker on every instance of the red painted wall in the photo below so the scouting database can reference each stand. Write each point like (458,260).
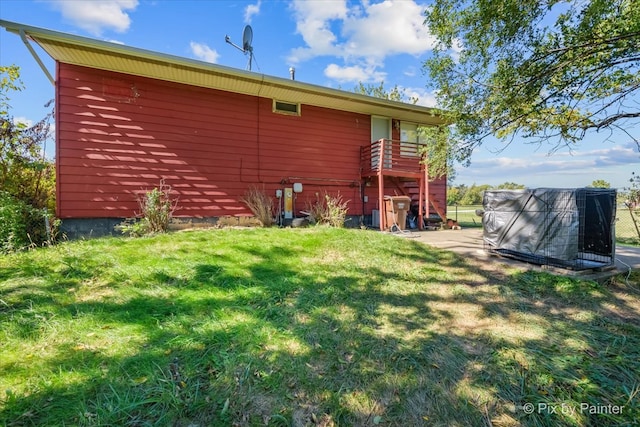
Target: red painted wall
(118,135)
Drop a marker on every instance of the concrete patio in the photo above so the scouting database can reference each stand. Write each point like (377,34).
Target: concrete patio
(468,242)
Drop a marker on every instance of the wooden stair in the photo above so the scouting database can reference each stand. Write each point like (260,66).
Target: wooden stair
(410,189)
(436,206)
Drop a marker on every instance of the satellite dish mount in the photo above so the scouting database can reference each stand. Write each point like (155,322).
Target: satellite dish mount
(247,38)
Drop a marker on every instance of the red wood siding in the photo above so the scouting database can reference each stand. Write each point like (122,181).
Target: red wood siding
(118,135)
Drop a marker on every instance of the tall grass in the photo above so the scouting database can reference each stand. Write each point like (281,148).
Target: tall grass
(295,327)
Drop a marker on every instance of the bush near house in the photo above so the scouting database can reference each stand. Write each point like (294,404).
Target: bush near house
(21,225)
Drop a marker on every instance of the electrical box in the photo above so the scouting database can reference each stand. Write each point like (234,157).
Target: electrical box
(288,203)
(297,187)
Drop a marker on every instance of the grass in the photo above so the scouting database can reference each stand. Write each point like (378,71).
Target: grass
(465,215)
(296,327)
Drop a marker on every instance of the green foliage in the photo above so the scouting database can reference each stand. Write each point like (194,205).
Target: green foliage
(328,210)
(440,152)
(541,70)
(21,225)
(510,186)
(467,196)
(633,191)
(24,171)
(395,94)
(156,211)
(27,179)
(599,183)
(633,201)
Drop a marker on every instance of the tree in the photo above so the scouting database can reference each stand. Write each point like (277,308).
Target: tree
(395,94)
(551,70)
(633,191)
(24,172)
(633,200)
(510,186)
(473,195)
(599,183)
(455,194)
(27,185)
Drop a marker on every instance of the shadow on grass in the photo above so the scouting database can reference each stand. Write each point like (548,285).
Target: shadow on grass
(260,334)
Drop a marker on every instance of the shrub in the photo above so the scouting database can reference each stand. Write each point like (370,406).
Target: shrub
(156,211)
(21,225)
(329,210)
(260,204)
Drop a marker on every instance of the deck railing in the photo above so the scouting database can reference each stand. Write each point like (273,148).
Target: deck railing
(391,157)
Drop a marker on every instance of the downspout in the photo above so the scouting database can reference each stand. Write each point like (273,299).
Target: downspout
(36,57)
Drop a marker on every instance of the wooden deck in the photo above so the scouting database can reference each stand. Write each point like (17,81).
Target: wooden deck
(398,159)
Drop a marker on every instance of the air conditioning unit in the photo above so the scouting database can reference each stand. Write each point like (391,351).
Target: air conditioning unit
(567,228)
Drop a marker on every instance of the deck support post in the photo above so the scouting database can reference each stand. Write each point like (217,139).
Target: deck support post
(427,196)
(420,218)
(383,214)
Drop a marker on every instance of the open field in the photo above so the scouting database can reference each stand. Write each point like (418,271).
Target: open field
(307,327)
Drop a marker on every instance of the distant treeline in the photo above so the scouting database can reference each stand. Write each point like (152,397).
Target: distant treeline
(466,195)
(472,195)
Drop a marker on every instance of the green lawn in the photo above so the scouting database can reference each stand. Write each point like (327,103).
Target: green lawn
(318,327)
(465,215)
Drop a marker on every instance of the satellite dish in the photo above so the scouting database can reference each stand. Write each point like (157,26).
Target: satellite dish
(247,38)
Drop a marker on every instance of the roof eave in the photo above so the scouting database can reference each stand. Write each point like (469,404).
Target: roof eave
(83,51)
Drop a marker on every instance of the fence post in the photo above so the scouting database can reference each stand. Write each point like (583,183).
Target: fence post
(47,226)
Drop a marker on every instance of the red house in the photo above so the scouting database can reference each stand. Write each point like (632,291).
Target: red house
(127,118)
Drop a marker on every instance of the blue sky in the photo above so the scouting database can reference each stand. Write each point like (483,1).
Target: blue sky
(335,43)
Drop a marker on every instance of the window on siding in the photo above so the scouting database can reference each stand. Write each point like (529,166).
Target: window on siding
(286,108)
(409,140)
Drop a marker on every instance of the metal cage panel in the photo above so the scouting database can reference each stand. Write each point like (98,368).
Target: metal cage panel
(568,228)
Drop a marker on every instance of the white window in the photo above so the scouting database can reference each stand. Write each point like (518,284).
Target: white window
(409,140)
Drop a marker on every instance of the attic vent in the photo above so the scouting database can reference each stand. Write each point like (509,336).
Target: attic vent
(286,108)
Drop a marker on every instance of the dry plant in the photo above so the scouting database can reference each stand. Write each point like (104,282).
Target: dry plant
(329,210)
(156,210)
(261,204)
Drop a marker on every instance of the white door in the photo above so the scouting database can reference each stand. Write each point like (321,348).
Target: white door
(380,129)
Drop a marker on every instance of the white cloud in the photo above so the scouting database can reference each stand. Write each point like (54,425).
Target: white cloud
(577,169)
(388,28)
(250,11)
(204,52)
(313,23)
(366,33)
(97,15)
(456,49)
(354,73)
(425,98)
(25,121)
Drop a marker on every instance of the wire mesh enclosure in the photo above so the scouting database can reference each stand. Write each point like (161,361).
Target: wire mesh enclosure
(567,228)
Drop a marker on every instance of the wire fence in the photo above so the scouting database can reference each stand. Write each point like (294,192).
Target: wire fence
(628,225)
(627,222)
